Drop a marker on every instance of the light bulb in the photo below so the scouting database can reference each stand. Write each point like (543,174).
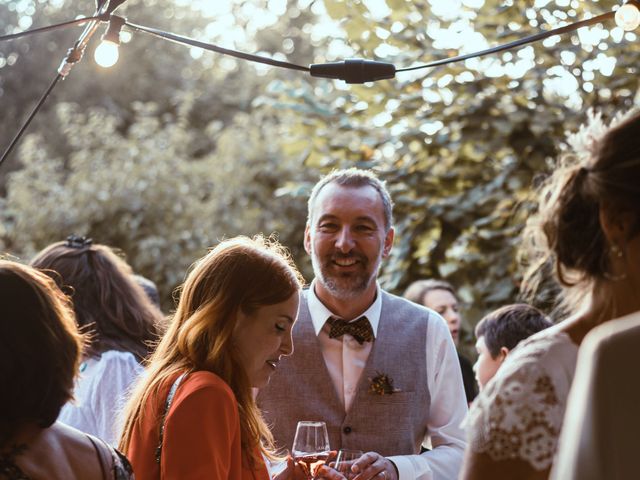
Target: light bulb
(106,55)
(628,17)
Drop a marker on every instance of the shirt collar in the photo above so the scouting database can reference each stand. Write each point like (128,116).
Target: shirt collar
(320,313)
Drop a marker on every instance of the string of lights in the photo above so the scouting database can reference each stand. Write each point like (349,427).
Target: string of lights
(351,71)
(57,26)
(74,55)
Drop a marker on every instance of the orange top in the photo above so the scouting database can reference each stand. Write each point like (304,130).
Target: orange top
(201,435)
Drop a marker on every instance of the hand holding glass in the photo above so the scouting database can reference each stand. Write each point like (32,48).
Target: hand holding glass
(345,460)
(311,445)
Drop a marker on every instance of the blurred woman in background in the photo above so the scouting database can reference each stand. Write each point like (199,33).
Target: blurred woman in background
(440,296)
(121,322)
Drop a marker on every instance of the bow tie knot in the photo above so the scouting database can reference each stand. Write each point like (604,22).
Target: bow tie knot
(359,329)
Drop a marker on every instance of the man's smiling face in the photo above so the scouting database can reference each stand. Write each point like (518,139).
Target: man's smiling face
(347,239)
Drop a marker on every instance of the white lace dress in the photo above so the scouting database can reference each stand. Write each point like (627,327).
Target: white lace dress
(519,413)
(100,394)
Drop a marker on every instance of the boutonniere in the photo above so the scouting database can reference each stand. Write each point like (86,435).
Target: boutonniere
(382,384)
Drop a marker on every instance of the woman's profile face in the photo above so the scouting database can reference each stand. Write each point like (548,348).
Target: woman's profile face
(263,337)
(444,303)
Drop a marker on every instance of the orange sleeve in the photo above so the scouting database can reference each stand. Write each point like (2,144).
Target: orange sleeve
(202,433)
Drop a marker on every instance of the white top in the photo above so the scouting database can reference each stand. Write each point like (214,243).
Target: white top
(100,394)
(346,358)
(599,438)
(519,413)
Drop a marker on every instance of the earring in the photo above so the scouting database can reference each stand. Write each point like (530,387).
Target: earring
(616,251)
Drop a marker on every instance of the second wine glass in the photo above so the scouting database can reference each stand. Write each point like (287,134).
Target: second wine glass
(345,461)
(311,445)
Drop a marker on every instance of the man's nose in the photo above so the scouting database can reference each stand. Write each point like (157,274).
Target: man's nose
(345,242)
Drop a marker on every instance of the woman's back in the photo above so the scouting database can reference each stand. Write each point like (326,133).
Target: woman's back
(61,452)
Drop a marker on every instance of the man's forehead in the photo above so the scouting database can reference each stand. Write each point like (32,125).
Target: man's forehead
(346,195)
(363,203)
(358,218)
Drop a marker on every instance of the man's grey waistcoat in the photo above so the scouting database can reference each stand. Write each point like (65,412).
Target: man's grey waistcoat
(393,424)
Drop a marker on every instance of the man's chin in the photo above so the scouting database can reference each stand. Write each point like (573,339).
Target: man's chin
(339,288)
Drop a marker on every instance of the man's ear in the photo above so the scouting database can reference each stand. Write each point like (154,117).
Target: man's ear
(307,239)
(388,242)
(502,355)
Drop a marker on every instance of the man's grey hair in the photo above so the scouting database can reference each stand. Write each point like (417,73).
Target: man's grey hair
(353,177)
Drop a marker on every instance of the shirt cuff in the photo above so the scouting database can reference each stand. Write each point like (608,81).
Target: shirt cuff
(405,468)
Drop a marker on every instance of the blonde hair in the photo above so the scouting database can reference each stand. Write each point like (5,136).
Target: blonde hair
(199,336)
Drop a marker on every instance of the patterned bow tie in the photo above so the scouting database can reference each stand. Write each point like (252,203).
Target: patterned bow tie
(360,329)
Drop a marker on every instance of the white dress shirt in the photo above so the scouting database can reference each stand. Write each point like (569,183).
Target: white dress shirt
(346,358)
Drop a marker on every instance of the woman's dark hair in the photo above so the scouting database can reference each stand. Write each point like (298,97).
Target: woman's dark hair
(508,325)
(604,171)
(108,302)
(40,348)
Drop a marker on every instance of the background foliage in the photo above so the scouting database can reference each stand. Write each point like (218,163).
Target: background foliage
(172,149)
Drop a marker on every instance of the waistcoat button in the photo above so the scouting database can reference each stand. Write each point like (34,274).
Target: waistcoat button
(347,430)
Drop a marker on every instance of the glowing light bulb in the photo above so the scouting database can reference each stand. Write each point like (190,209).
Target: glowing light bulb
(106,55)
(628,17)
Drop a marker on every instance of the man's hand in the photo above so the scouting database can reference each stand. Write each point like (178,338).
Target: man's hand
(373,466)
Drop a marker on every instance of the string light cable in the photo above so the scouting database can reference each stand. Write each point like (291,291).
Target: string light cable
(57,26)
(352,71)
(213,48)
(362,71)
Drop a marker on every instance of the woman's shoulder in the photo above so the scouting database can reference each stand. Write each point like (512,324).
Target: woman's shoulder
(545,349)
(118,357)
(542,363)
(200,397)
(110,363)
(65,451)
(203,385)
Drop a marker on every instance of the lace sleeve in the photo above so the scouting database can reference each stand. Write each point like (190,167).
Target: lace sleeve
(518,416)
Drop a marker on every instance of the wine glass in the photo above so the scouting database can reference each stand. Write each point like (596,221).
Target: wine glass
(345,460)
(311,446)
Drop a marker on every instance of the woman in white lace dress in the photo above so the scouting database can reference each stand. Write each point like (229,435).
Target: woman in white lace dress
(121,321)
(588,228)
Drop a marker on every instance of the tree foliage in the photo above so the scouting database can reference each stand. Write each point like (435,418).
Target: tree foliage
(168,152)
(461,145)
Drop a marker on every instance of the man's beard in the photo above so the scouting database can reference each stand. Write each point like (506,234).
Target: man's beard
(347,285)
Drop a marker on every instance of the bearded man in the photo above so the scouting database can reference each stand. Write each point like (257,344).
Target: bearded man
(381,371)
